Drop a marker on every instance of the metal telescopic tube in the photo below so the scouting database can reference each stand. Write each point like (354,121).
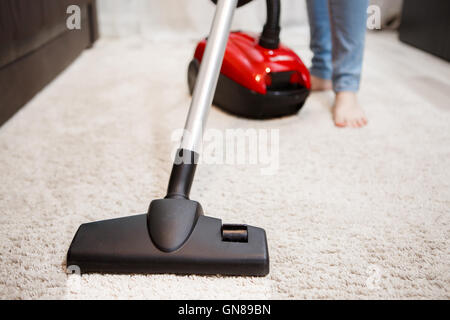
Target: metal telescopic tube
(208,75)
(185,163)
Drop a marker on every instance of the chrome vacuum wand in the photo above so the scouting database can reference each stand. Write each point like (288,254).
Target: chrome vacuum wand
(208,75)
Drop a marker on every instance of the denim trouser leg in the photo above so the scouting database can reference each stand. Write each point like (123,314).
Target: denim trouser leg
(347,25)
(320,44)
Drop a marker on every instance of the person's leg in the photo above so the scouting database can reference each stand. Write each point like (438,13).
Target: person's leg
(320,44)
(348,28)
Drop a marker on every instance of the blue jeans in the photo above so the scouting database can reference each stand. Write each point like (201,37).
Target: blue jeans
(338,29)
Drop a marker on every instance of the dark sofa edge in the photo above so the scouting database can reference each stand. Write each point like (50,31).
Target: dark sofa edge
(22,79)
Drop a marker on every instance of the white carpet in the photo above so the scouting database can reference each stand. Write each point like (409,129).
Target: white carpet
(95,145)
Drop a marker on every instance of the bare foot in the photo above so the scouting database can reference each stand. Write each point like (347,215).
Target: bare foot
(347,112)
(319,84)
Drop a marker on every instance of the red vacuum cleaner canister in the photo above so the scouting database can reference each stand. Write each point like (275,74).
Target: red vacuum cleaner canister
(256,82)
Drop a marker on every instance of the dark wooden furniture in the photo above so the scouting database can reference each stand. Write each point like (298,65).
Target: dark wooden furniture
(426,25)
(36,45)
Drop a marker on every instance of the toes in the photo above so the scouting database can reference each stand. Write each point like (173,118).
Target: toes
(340,122)
(362,121)
(353,123)
(348,118)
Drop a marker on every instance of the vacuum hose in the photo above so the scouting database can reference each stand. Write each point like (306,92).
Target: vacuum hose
(270,36)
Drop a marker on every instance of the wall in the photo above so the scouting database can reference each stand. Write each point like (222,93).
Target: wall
(147,17)
(151,18)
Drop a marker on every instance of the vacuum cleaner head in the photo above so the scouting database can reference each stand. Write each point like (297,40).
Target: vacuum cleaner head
(256,82)
(174,237)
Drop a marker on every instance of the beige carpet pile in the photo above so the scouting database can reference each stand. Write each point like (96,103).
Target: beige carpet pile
(350,214)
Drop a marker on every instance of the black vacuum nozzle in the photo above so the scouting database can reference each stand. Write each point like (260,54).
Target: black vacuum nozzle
(174,237)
